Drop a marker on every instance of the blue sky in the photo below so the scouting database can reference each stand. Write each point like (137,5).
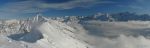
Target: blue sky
(10,9)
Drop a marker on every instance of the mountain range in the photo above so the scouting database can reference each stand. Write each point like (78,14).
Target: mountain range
(74,31)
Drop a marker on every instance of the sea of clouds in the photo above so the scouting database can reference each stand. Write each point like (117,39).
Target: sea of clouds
(132,34)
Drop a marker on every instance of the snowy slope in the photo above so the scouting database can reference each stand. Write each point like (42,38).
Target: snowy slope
(39,32)
(96,31)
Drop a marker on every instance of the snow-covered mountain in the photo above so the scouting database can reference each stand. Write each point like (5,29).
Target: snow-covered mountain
(96,31)
(38,32)
(124,16)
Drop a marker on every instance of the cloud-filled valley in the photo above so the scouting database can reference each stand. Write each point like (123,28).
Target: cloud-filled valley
(73,31)
(132,34)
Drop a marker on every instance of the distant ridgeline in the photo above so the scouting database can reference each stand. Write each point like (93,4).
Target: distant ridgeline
(124,16)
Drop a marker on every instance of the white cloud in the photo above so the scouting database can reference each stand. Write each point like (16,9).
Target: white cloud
(122,42)
(74,4)
(30,6)
(19,7)
(125,32)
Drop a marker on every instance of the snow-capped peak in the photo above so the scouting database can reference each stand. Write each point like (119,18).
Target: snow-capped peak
(39,18)
(98,14)
(44,32)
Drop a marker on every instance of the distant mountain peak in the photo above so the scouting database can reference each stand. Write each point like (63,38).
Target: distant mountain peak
(39,18)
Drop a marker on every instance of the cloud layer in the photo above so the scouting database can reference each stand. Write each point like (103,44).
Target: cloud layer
(132,34)
(122,42)
(30,6)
